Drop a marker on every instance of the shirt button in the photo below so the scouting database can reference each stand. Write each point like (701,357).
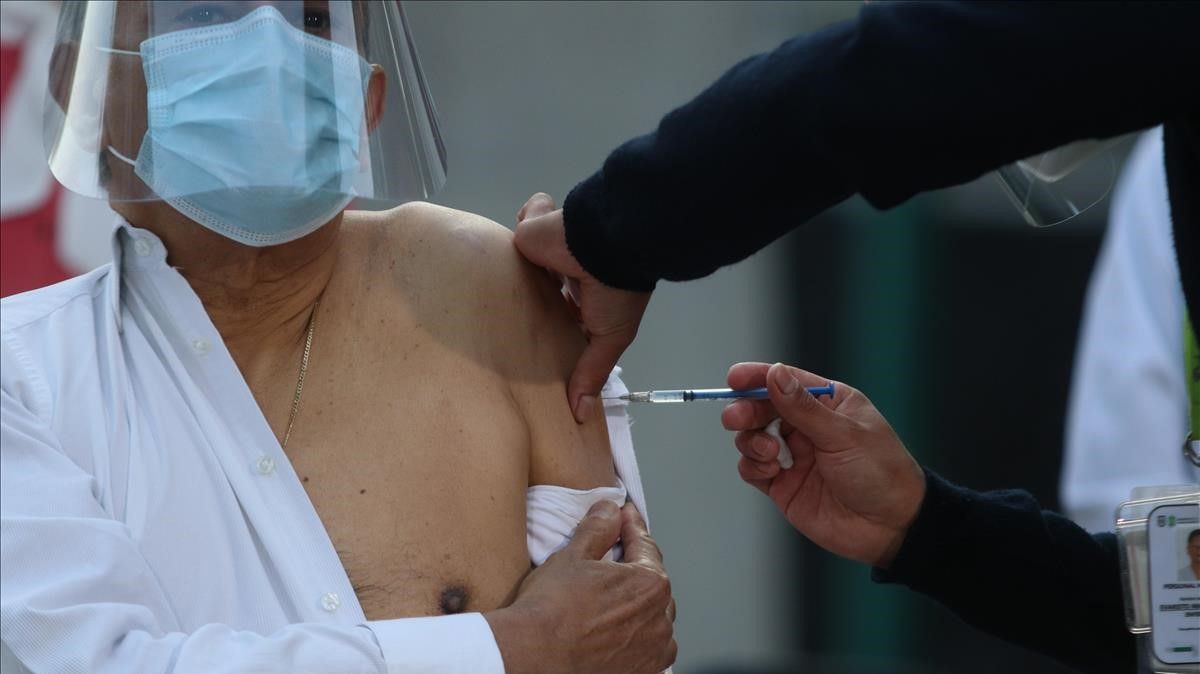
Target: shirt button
(201,346)
(330,601)
(265,465)
(142,247)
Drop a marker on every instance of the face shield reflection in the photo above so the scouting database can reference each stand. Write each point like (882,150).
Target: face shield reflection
(1053,187)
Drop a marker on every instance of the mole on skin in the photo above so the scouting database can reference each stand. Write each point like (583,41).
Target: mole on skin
(453,600)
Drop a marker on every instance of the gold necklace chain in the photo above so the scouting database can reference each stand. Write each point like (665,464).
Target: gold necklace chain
(312,327)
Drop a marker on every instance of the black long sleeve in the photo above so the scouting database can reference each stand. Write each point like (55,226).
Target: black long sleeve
(906,97)
(1026,575)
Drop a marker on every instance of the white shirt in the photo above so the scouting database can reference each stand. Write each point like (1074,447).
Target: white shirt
(151,521)
(1127,416)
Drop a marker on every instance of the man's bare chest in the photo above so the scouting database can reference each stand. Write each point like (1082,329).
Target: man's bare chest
(418,469)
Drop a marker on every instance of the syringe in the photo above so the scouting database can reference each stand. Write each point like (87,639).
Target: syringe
(688,395)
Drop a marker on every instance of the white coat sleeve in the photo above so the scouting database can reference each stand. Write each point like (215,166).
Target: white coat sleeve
(79,597)
(1126,417)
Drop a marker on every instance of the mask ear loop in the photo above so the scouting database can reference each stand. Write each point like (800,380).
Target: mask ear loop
(122,157)
(123,52)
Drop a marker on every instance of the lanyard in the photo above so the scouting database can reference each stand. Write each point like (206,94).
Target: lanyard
(1191,375)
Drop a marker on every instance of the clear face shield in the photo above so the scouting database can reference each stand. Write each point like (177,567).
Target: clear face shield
(260,120)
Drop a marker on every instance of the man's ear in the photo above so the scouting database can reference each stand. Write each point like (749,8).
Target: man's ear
(376,91)
(62,72)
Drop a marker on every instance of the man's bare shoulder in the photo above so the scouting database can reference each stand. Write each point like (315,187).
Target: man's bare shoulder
(450,235)
(466,266)
(474,292)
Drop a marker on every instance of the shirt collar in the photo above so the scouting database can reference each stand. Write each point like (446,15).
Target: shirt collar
(133,248)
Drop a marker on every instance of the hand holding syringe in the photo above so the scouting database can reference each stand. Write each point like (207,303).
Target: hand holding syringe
(689,395)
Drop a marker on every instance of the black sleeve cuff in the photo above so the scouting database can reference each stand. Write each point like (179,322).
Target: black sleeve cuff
(588,224)
(930,548)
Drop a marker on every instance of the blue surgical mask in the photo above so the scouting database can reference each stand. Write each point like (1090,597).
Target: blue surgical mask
(255,127)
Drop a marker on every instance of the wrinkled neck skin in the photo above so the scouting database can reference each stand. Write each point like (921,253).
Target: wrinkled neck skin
(259,299)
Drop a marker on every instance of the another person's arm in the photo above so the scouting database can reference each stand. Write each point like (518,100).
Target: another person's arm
(995,558)
(1024,574)
(906,97)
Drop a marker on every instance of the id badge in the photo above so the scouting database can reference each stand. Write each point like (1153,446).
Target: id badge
(1173,542)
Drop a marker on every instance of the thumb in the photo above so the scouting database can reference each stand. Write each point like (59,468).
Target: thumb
(800,408)
(638,546)
(538,204)
(592,370)
(596,533)
(543,241)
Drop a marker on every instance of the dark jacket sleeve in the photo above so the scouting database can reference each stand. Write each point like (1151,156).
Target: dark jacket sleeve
(1029,576)
(904,98)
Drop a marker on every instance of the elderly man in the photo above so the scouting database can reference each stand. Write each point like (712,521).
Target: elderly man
(279,435)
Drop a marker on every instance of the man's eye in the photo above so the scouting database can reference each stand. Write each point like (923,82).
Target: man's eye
(202,16)
(316,21)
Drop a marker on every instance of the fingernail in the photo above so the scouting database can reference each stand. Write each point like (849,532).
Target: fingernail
(785,380)
(604,510)
(583,408)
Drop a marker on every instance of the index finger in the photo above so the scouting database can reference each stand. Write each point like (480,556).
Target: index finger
(746,414)
(591,371)
(747,375)
(639,547)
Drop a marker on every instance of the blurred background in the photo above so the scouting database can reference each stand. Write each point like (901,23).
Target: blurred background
(956,318)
